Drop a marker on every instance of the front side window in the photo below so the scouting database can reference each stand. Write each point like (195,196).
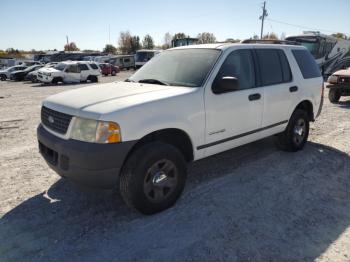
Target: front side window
(270,66)
(73,69)
(239,64)
(182,67)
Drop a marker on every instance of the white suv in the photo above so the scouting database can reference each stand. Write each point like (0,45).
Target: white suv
(186,104)
(70,72)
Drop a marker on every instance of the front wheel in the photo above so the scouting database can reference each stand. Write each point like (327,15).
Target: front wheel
(3,77)
(295,136)
(334,95)
(153,178)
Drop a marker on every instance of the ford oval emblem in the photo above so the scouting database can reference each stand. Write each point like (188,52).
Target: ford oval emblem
(51,119)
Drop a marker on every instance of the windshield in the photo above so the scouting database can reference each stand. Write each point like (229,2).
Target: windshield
(312,44)
(184,67)
(144,56)
(60,67)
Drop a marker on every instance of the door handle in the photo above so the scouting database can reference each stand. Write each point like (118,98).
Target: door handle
(293,89)
(253,97)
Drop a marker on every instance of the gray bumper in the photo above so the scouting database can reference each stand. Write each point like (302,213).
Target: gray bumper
(88,164)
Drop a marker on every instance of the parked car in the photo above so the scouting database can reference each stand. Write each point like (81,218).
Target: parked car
(70,72)
(21,74)
(186,104)
(5,73)
(339,85)
(33,76)
(109,69)
(124,62)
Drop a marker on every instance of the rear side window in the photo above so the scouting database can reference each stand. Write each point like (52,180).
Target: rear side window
(270,66)
(307,64)
(93,66)
(83,67)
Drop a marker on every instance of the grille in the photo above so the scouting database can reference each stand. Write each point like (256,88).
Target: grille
(54,120)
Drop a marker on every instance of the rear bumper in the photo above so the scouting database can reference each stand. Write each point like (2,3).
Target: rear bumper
(87,164)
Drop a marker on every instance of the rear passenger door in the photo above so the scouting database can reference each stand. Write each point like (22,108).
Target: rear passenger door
(84,72)
(276,79)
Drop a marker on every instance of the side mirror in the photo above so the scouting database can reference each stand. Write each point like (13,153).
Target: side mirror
(225,84)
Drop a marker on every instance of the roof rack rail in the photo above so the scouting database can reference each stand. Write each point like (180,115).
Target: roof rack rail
(269,41)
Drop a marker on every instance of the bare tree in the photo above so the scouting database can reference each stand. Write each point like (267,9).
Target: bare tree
(124,42)
(206,38)
(167,40)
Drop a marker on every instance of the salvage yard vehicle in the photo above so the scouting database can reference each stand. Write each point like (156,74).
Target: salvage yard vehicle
(70,72)
(186,104)
(108,69)
(5,73)
(20,75)
(143,56)
(33,76)
(339,85)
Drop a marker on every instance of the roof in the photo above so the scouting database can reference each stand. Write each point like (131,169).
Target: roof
(223,46)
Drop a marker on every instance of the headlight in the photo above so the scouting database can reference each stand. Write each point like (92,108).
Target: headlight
(333,79)
(94,131)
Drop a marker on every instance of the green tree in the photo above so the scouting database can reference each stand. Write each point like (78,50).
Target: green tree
(340,35)
(110,49)
(71,47)
(135,44)
(206,38)
(148,42)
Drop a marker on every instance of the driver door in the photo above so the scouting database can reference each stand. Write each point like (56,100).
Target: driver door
(233,117)
(72,74)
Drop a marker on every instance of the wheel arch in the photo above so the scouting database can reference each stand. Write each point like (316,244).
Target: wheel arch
(173,136)
(307,106)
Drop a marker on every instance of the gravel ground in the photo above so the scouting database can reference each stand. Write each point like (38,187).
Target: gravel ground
(253,203)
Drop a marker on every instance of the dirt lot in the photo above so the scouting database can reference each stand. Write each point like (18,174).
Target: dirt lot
(253,203)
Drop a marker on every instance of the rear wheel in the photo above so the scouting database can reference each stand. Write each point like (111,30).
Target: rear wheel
(153,178)
(334,95)
(92,79)
(295,136)
(3,77)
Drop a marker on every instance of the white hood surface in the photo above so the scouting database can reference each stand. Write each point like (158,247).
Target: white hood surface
(95,100)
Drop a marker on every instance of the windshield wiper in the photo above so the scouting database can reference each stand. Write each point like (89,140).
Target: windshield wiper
(153,81)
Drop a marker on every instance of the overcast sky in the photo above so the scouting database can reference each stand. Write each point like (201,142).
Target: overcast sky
(44,24)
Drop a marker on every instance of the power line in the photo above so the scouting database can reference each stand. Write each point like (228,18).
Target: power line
(301,26)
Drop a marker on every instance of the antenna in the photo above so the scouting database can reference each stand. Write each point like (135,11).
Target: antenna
(262,18)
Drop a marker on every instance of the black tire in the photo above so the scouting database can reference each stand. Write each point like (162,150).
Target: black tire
(93,79)
(296,134)
(34,79)
(145,186)
(3,77)
(56,80)
(334,95)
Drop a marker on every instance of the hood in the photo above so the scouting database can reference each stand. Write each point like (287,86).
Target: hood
(93,101)
(48,70)
(345,72)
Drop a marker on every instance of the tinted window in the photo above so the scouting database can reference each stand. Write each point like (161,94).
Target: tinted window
(239,64)
(307,64)
(83,67)
(287,75)
(270,66)
(93,66)
(127,60)
(73,69)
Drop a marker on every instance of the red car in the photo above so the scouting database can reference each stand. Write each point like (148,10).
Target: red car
(109,69)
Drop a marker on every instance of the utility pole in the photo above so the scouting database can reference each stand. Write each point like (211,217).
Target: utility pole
(262,17)
(109,33)
(67,42)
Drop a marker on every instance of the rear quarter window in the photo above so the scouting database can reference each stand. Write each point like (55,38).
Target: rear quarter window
(306,63)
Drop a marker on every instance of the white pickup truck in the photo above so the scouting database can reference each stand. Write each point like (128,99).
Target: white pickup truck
(69,72)
(186,104)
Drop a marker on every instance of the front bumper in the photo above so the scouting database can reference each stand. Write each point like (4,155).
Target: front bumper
(44,78)
(87,164)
